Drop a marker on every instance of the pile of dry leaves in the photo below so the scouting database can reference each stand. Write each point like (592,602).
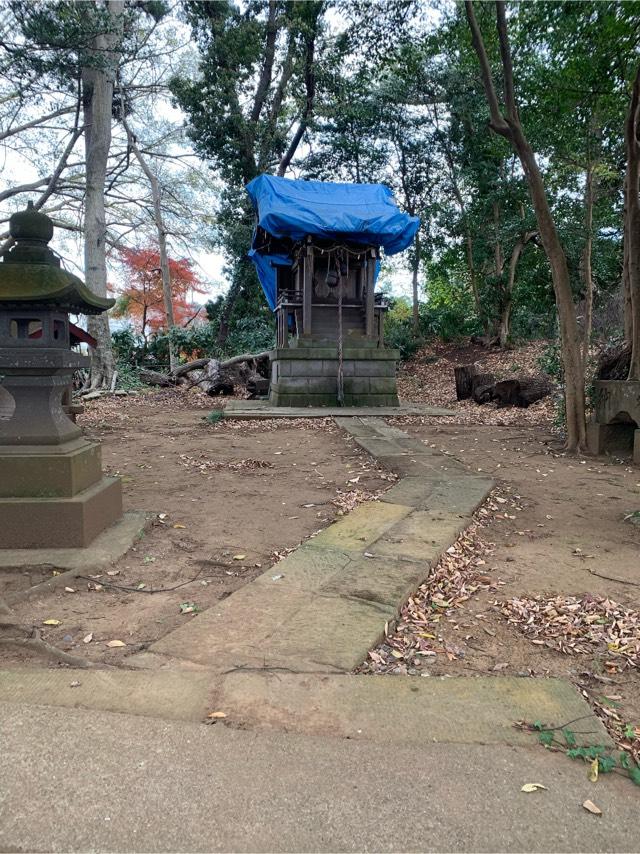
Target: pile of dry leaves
(461,572)
(581,625)
(203,464)
(428,378)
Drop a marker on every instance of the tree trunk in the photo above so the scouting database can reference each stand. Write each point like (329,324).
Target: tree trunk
(632,224)
(585,266)
(167,294)
(415,278)
(498,257)
(511,128)
(569,333)
(504,330)
(97,101)
(626,284)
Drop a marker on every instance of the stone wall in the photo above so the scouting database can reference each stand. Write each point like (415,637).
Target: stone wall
(616,425)
(308,376)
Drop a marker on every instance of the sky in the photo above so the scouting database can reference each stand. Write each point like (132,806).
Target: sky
(20,168)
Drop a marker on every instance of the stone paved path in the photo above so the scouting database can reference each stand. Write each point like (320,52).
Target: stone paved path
(276,656)
(324,606)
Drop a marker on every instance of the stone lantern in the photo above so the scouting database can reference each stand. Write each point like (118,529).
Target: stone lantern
(53,493)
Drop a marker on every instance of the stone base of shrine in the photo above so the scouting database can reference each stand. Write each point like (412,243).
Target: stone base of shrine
(616,425)
(308,376)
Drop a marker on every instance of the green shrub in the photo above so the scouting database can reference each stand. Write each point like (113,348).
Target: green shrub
(398,329)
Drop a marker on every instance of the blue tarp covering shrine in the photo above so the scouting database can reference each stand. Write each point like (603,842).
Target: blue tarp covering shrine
(289,211)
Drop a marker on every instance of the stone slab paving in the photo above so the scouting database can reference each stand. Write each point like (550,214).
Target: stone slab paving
(406,710)
(277,654)
(171,695)
(324,606)
(383,709)
(262,409)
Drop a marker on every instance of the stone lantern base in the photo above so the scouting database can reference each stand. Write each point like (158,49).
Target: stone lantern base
(55,496)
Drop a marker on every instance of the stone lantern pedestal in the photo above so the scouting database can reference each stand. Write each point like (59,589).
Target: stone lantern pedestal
(53,493)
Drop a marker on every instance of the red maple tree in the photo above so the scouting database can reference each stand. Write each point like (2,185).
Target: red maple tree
(141,297)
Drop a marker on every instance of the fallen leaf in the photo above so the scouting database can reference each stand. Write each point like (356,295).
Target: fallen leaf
(217,715)
(593,771)
(113,572)
(532,787)
(188,608)
(88,638)
(178,525)
(239,557)
(115,643)
(69,590)
(591,807)
(52,622)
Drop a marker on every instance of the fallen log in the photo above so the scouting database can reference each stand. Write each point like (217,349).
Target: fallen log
(521,392)
(215,377)
(482,387)
(614,363)
(156,378)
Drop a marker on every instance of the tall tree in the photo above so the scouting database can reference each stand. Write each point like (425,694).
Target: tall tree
(507,124)
(249,108)
(98,74)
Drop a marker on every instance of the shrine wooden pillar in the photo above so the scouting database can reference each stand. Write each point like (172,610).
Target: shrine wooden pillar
(307,289)
(370,297)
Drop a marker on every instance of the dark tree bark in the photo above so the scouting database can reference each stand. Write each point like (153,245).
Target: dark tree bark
(510,127)
(464,375)
(632,223)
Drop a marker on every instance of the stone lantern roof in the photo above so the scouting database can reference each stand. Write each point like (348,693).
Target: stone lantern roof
(30,272)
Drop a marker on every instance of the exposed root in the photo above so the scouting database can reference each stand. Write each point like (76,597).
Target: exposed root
(34,642)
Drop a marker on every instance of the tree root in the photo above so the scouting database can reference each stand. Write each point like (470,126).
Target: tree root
(34,642)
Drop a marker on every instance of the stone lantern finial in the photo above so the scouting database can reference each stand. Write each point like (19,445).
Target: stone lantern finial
(31,231)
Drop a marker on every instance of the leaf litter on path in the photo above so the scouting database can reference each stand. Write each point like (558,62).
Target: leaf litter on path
(459,574)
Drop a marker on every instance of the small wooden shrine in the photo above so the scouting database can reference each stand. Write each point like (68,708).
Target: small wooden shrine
(317,249)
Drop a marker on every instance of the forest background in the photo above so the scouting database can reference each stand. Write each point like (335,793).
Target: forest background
(136,125)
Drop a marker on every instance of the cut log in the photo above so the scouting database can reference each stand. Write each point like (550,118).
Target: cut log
(482,387)
(257,387)
(532,389)
(155,378)
(506,392)
(464,381)
(522,391)
(485,340)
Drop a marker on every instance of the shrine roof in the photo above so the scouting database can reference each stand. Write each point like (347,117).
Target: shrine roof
(362,213)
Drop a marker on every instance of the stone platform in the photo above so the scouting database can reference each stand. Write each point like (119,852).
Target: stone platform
(264,409)
(308,376)
(106,548)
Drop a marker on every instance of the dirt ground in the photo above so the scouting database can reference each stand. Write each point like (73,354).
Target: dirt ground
(560,528)
(227,499)
(257,489)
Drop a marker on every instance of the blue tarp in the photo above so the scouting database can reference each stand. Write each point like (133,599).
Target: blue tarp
(359,213)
